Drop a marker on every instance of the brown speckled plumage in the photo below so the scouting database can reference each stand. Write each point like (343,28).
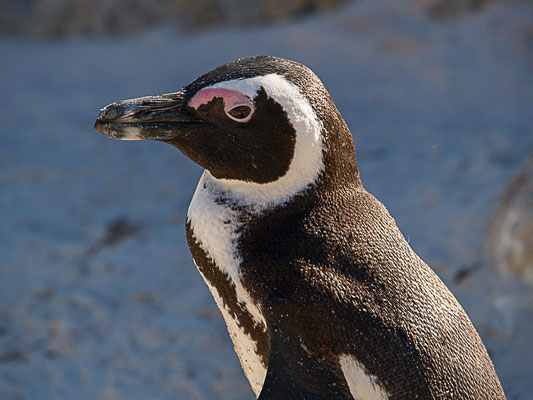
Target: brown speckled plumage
(328,269)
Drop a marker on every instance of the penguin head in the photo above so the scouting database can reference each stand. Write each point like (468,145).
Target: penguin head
(261,123)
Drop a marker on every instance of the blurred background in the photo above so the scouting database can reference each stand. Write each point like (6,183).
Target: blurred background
(99,298)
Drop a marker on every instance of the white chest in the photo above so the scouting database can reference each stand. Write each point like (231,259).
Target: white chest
(216,226)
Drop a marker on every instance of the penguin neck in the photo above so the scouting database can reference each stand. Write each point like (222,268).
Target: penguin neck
(254,197)
(339,172)
(339,159)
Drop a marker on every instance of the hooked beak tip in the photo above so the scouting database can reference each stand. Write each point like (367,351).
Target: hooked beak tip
(118,131)
(161,117)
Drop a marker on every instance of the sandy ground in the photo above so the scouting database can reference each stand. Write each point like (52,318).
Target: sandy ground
(99,298)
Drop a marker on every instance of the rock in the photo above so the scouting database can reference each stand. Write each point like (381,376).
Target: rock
(448,9)
(67,18)
(510,242)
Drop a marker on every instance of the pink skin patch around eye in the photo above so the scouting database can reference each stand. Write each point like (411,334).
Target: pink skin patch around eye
(231,99)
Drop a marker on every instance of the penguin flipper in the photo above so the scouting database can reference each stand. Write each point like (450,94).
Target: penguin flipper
(280,385)
(277,388)
(296,374)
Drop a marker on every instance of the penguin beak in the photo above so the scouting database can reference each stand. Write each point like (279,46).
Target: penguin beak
(163,117)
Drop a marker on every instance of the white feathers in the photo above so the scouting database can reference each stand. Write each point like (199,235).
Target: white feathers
(215,226)
(363,386)
(245,347)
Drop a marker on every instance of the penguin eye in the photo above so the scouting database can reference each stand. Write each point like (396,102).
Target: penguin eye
(240,113)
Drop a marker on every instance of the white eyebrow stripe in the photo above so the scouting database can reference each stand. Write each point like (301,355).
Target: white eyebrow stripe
(307,162)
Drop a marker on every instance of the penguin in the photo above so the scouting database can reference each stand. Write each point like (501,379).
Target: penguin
(322,295)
